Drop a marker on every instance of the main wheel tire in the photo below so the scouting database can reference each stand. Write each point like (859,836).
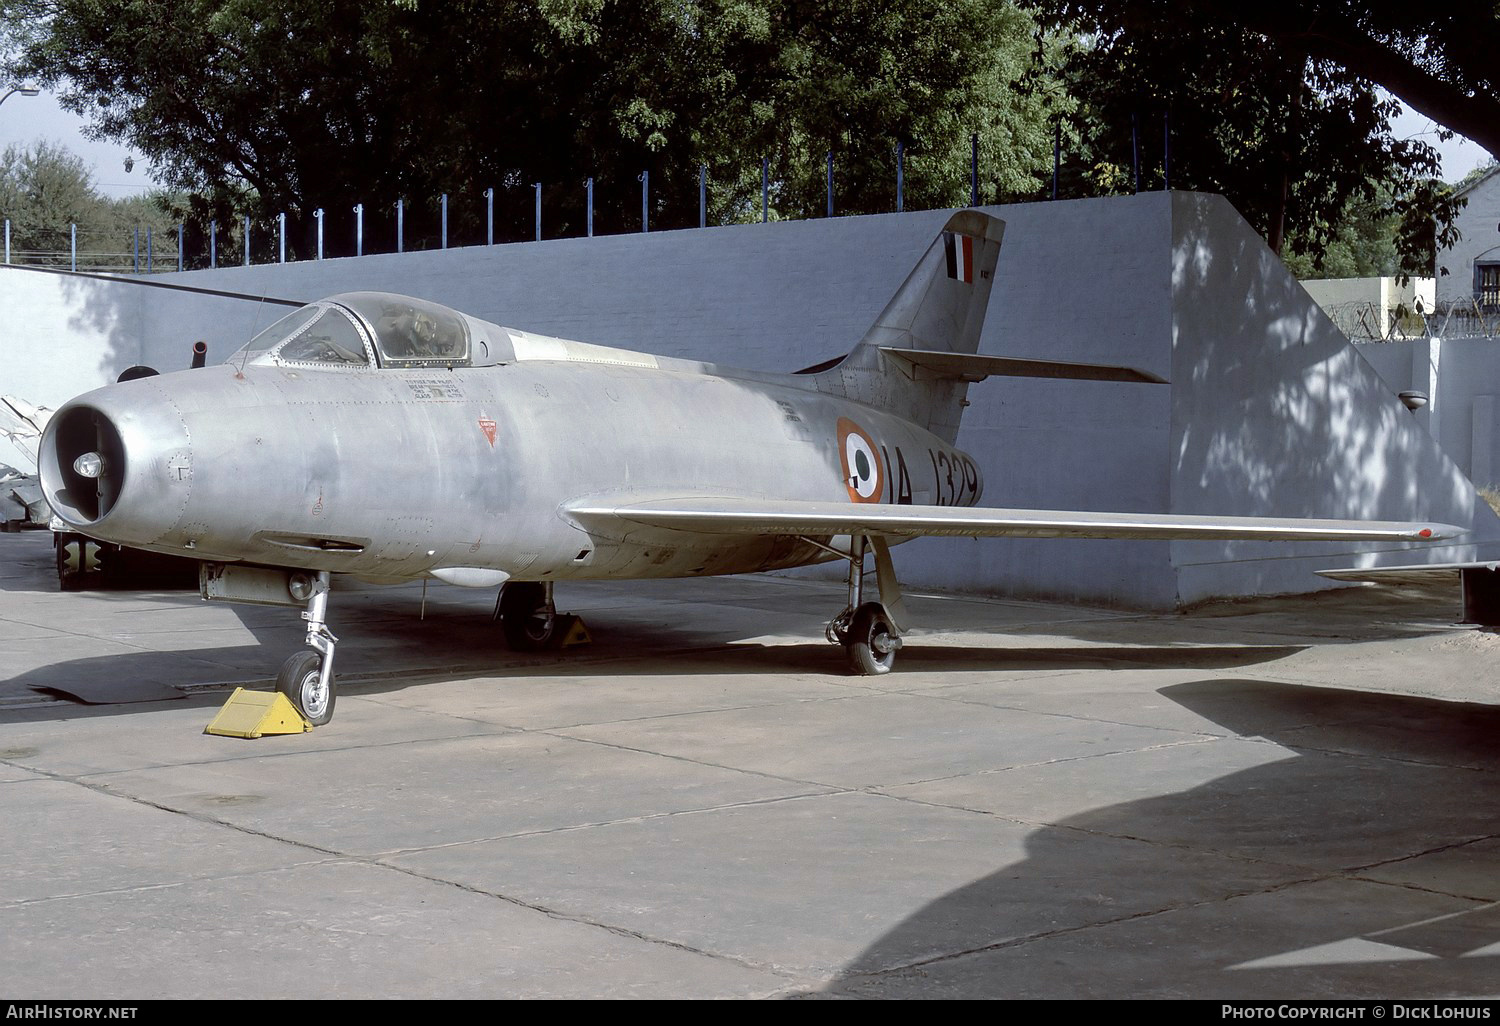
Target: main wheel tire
(872,640)
(525,618)
(299,679)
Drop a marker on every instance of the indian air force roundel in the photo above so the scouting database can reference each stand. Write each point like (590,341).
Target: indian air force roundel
(863,474)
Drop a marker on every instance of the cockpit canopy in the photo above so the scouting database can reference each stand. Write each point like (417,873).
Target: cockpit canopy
(353,329)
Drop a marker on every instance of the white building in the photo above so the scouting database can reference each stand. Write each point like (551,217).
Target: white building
(1474,261)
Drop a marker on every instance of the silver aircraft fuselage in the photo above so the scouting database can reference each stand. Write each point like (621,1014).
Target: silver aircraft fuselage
(399,472)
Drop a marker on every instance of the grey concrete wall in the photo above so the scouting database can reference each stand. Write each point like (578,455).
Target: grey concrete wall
(62,334)
(1276,413)
(1255,422)
(1462,378)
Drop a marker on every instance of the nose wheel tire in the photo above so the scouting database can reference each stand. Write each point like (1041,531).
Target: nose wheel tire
(873,641)
(300,680)
(527,619)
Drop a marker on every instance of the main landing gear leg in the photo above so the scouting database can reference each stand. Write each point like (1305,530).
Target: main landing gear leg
(306,678)
(528,617)
(865,629)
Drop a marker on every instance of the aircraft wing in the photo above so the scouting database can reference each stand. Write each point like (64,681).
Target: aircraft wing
(704,515)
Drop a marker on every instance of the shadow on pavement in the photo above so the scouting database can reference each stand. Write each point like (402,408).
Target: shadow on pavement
(1300,877)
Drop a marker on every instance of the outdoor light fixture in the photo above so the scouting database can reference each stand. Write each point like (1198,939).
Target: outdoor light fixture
(24,90)
(1413,401)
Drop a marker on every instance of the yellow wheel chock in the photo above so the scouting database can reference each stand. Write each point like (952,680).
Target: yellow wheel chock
(252,714)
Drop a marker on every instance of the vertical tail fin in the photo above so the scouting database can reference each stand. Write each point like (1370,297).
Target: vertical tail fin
(940,308)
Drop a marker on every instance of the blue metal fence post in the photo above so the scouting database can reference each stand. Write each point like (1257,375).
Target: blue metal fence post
(135,257)
(179,245)
(489,217)
(538,187)
(73,246)
(359,229)
(588,188)
(1056,155)
(444,203)
(645,179)
(7,240)
(900,175)
(830,183)
(400,225)
(281,235)
(247,240)
(765,190)
(150,261)
(702,195)
(1166,149)
(213,244)
(1135,153)
(319,215)
(974,170)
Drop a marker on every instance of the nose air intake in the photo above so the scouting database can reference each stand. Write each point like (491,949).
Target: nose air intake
(83,491)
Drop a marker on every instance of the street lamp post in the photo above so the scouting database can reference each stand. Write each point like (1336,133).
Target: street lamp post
(24,90)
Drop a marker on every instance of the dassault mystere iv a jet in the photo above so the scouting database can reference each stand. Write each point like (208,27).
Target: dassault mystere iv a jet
(395,439)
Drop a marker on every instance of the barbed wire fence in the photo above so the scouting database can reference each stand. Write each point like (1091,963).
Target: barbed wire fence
(1367,321)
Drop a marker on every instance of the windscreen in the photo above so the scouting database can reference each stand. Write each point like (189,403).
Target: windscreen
(279,329)
(330,338)
(321,334)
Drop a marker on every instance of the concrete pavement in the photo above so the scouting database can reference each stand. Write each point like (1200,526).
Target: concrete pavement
(1286,798)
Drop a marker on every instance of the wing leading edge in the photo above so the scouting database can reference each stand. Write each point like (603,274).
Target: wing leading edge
(702,515)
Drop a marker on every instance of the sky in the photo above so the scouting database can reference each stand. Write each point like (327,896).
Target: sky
(26,119)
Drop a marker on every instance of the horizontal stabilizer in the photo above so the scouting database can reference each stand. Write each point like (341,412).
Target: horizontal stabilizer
(1479,583)
(975,367)
(703,515)
(1387,574)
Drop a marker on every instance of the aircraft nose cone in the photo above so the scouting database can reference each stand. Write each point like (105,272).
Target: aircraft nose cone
(82,465)
(116,465)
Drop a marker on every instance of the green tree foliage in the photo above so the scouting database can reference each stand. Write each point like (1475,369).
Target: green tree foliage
(46,191)
(264,106)
(1476,174)
(1362,244)
(1441,59)
(1275,105)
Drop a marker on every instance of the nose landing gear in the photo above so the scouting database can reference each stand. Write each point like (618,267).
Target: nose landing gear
(306,678)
